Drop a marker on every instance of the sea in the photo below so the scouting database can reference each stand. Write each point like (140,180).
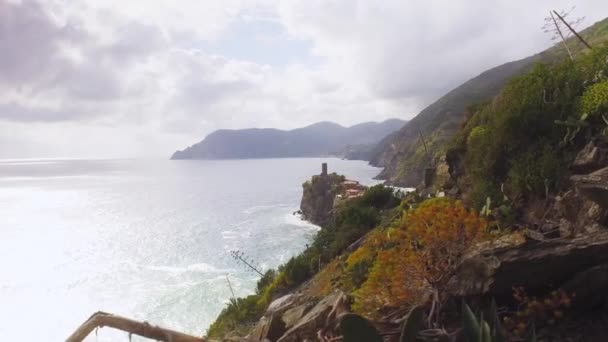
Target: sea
(145,239)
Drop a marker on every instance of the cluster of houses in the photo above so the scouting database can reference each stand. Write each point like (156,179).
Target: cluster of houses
(349,188)
(352,189)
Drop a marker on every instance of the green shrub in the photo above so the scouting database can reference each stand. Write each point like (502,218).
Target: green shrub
(236,315)
(537,170)
(514,140)
(595,99)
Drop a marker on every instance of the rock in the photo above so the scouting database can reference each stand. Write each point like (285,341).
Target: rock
(594,186)
(318,197)
(281,303)
(566,228)
(293,315)
(315,319)
(589,288)
(571,213)
(268,328)
(588,159)
(533,265)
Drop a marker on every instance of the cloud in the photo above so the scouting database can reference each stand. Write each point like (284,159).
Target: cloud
(166,74)
(417,51)
(17,113)
(30,42)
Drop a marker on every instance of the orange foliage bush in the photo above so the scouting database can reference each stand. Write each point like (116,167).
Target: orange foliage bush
(413,257)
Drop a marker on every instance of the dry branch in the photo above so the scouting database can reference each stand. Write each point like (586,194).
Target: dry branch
(144,329)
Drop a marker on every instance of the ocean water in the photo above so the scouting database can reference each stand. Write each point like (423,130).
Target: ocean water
(149,240)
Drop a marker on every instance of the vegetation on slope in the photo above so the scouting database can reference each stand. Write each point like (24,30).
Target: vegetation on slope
(510,151)
(353,219)
(521,143)
(403,154)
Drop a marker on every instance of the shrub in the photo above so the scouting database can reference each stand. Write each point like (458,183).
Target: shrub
(514,140)
(537,170)
(415,255)
(595,99)
(237,314)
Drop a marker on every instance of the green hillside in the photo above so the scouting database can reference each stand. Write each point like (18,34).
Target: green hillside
(402,153)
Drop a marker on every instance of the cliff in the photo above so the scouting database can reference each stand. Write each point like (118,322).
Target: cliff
(514,223)
(318,197)
(323,193)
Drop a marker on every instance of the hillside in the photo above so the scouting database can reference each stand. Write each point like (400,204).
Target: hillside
(511,244)
(402,153)
(319,139)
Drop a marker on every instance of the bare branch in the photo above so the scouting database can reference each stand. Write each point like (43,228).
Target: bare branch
(144,329)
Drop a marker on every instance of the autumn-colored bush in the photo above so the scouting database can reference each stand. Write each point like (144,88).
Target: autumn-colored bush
(414,256)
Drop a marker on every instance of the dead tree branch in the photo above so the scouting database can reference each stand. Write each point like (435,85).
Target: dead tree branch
(144,329)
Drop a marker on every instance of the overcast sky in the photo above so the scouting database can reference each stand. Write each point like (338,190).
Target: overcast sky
(142,78)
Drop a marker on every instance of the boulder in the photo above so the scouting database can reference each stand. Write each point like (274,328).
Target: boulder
(282,303)
(268,328)
(293,315)
(536,266)
(315,319)
(589,288)
(590,158)
(594,186)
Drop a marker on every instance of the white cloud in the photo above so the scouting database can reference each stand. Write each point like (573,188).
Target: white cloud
(141,72)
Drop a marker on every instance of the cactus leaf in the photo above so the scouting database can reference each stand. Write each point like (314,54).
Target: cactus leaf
(484,334)
(470,324)
(498,333)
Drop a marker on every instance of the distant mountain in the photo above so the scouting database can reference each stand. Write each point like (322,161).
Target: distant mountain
(402,153)
(319,139)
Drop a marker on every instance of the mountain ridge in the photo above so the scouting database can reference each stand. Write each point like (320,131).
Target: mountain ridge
(318,139)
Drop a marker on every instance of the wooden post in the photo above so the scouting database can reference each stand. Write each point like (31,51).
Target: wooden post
(572,30)
(144,329)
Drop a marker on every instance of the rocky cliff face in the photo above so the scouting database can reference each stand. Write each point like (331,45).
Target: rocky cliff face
(318,197)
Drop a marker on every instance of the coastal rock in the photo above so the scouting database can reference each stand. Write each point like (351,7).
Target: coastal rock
(533,265)
(318,197)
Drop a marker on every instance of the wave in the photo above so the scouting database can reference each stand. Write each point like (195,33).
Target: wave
(200,267)
(258,208)
(296,219)
(231,234)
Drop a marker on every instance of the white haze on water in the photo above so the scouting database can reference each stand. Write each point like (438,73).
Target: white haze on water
(148,240)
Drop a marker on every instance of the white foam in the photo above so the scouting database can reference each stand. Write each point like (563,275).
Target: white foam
(295,219)
(200,267)
(258,208)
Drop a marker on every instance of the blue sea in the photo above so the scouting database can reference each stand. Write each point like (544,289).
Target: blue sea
(146,239)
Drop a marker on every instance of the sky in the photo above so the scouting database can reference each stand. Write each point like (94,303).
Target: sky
(143,78)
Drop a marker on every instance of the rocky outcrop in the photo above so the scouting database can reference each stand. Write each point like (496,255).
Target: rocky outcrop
(295,318)
(318,197)
(594,186)
(536,266)
(592,157)
(308,326)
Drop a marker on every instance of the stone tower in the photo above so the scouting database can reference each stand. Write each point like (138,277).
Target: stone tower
(324,169)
